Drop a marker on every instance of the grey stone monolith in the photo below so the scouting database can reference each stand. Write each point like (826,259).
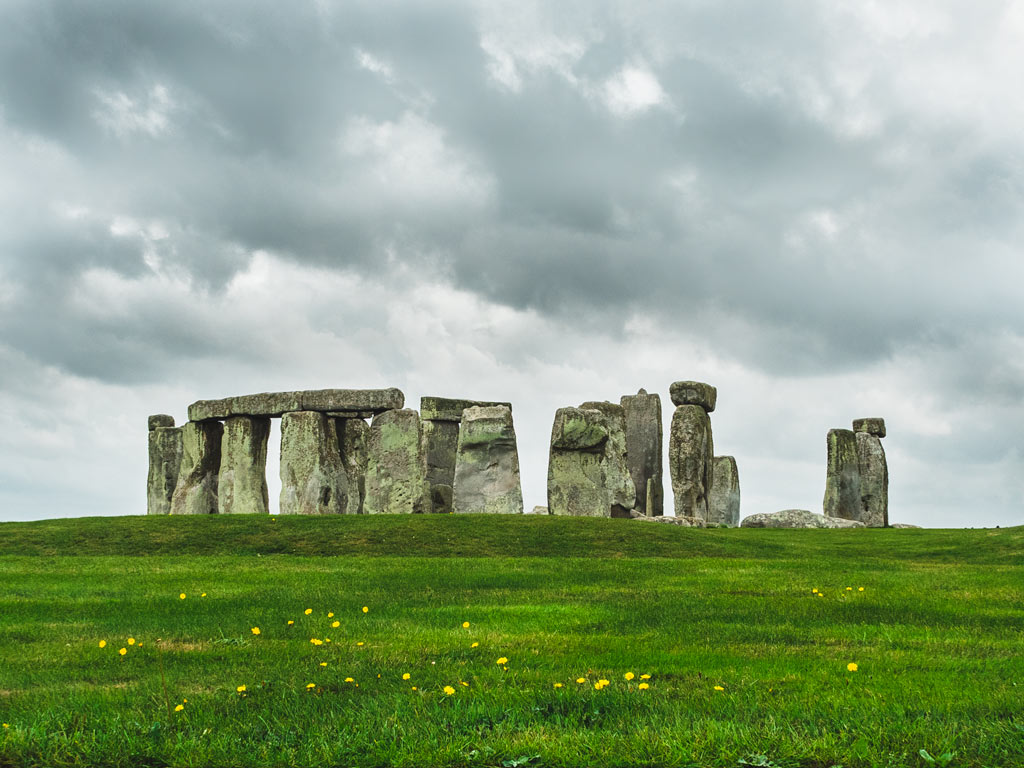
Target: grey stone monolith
(644,440)
(313,479)
(874,480)
(487,464)
(396,480)
(451,409)
(842,477)
(352,434)
(440,444)
(164,466)
(618,483)
(690,460)
(196,489)
(693,393)
(242,483)
(724,501)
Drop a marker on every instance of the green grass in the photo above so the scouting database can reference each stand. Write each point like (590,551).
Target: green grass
(937,635)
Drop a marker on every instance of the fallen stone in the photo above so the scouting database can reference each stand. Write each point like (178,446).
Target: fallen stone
(242,483)
(904,525)
(440,444)
(196,490)
(450,409)
(487,464)
(797,518)
(693,393)
(578,430)
(724,501)
(538,510)
(684,522)
(164,466)
(272,404)
(842,477)
(313,479)
(690,460)
(618,483)
(644,439)
(873,426)
(352,434)
(395,466)
(160,420)
(874,480)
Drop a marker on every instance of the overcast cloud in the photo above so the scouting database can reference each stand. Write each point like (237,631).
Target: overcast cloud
(817,207)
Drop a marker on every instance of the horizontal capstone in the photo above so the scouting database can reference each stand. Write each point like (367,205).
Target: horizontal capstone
(357,403)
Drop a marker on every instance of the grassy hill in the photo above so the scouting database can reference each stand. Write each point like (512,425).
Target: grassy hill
(763,647)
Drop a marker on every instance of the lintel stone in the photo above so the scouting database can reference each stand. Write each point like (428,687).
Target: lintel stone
(694,393)
(337,402)
(873,426)
(450,409)
(160,420)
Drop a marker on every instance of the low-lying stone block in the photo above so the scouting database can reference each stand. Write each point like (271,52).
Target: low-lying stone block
(797,518)
(724,501)
(693,393)
(160,420)
(690,459)
(313,478)
(644,440)
(395,467)
(539,510)
(842,477)
(872,426)
(904,525)
(196,490)
(164,465)
(487,464)
(682,522)
(273,404)
(242,482)
(450,409)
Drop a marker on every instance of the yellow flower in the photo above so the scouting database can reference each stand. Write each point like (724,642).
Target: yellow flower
(558,685)
(406,676)
(6,725)
(465,625)
(598,686)
(502,660)
(474,645)
(131,641)
(360,643)
(181,596)
(449,690)
(643,687)
(821,594)
(330,615)
(179,708)
(310,685)
(335,624)
(323,663)
(314,641)
(414,688)
(719,688)
(849,589)
(629,675)
(203,595)
(103,643)
(123,651)
(255,630)
(327,639)
(366,609)
(290,622)
(240,689)
(581,679)
(463,683)
(349,680)
(308,611)
(860,589)
(645,677)
(851,667)
(814,590)
(184,701)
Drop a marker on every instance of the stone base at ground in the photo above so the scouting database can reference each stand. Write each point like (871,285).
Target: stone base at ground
(797,518)
(904,525)
(684,522)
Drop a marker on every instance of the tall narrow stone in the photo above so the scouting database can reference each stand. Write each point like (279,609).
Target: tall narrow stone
(842,478)
(487,464)
(313,479)
(395,468)
(874,472)
(242,483)
(164,464)
(440,444)
(618,483)
(352,435)
(690,460)
(644,449)
(196,489)
(724,502)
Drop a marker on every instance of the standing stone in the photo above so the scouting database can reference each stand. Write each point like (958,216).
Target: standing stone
(196,490)
(313,480)
(242,483)
(842,478)
(618,483)
(724,502)
(395,467)
(440,444)
(693,393)
(874,473)
(690,460)
(487,464)
(164,464)
(643,450)
(352,441)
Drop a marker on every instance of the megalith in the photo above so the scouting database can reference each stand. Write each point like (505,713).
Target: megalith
(352,444)
(242,483)
(644,449)
(196,490)
(395,467)
(874,473)
(487,464)
(164,464)
(618,483)
(313,479)
(691,447)
(842,476)
(724,501)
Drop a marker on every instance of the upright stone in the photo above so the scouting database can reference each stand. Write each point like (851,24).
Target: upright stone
(487,464)
(575,468)
(724,502)
(313,479)
(395,467)
(618,483)
(874,473)
(196,489)
(164,464)
(242,483)
(842,478)
(352,435)
(644,449)
(440,444)
(690,460)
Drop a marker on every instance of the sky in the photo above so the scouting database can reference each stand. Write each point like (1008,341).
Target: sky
(815,207)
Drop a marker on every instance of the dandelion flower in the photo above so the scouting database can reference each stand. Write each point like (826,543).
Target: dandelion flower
(360,643)
(366,609)
(465,625)
(181,596)
(474,645)
(645,677)
(349,680)
(414,688)
(255,630)
(327,639)
(449,690)
(719,688)
(849,589)
(330,615)
(123,651)
(643,687)
(461,682)
(290,622)
(308,611)
(860,589)
(240,689)
(815,590)
(821,594)
(581,679)
(406,676)
(558,685)
(501,661)
(179,708)
(310,685)
(315,641)
(7,725)
(335,624)
(103,643)
(203,595)
(598,686)
(323,663)
(851,667)
(629,675)
(131,641)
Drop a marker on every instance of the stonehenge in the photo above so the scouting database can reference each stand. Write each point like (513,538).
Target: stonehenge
(691,447)
(196,490)
(164,464)
(487,463)
(842,476)
(313,478)
(857,478)
(242,480)
(396,481)
(724,500)
(643,450)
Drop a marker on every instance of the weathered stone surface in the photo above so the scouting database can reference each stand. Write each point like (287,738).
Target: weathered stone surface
(578,430)
(693,393)
(539,510)
(683,522)
(644,439)
(487,464)
(842,478)
(576,484)
(164,466)
(160,420)
(440,444)
(690,460)
(873,426)
(313,479)
(904,525)
(242,482)
(724,501)
(874,481)
(395,466)
(617,480)
(352,435)
(450,409)
(797,518)
(196,490)
(336,401)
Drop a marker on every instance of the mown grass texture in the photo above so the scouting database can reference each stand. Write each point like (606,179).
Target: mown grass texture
(746,661)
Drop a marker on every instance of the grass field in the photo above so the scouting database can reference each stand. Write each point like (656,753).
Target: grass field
(748,664)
